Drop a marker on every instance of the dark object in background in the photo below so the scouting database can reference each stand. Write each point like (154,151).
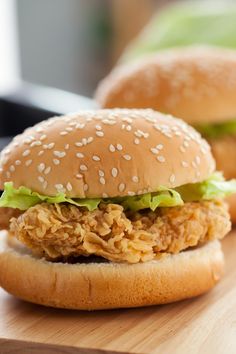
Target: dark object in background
(28,104)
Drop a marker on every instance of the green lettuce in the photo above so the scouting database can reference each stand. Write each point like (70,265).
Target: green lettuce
(23,198)
(212,188)
(217,130)
(185,24)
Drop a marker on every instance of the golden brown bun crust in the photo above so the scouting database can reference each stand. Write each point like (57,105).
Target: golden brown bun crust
(106,153)
(196,84)
(110,285)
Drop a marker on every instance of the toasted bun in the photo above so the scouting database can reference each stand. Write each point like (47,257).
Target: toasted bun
(106,153)
(108,285)
(196,84)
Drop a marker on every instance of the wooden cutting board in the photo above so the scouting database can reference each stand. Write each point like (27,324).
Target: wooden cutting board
(203,325)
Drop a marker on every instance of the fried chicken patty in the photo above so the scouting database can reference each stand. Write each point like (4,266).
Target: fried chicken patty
(57,231)
(223,150)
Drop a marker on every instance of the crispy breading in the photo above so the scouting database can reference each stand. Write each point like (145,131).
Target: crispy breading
(5,216)
(58,231)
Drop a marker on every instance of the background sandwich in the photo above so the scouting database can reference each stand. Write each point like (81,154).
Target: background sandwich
(196,84)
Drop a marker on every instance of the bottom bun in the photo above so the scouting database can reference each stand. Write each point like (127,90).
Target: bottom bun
(90,286)
(232,207)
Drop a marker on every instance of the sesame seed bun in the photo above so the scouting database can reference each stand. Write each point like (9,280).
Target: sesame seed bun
(106,153)
(109,285)
(197,84)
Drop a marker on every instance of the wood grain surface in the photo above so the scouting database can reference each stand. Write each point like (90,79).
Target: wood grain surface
(205,325)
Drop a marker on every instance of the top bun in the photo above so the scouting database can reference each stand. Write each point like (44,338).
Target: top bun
(106,153)
(197,84)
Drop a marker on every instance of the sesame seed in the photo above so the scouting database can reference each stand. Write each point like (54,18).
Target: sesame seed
(18,162)
(128,128)
(59,154)
(104,195)
(186,144)
(80,126)
(123,126)
(83,168)
(85,187)
(194,164)
(67,146)
(138,134)
(36,143)
(45,183)
(102,180)
(59,187)
(98,127)
(84,141)
(172,178)
(159,146)
(69,129)
(135,179)
(161,158)
(99,133)
(56,161)
(8,174)
(69,187)
(182,149)
(79,176)
(131,193)
(109,122)
(41,179)
(112,148)
(12,168)
(47,170)
(26,152)
(127,119)
(119,147)
(28,162)
(43,137)
(49,146)
(101,173)
(63,133)
(114,172)
(90,139)
(121,187)
(80,155)
(41,167)
(127,157)
(79,144)
(41,152)
(136,141)
(184,164)
(154,151)
(96,158)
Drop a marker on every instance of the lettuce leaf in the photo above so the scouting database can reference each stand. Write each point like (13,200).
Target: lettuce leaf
(217,130)
(214,187)
(163,198)
(23,198)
